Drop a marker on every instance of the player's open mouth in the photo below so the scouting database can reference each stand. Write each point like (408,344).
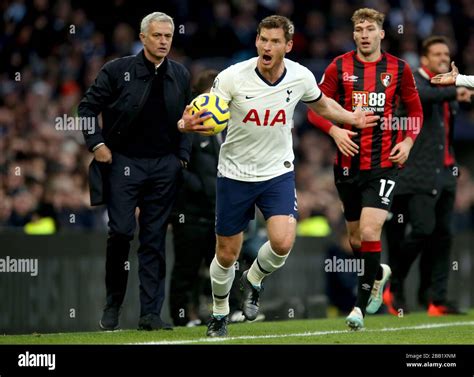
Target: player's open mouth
(365,44)
(266,58)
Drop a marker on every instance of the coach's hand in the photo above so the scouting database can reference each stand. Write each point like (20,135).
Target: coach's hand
(401,151)
(103,154)
(446,78)
(342,138)
(364,119)
(192,123)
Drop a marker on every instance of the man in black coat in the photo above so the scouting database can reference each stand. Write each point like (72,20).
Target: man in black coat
(138,157)
(426,191)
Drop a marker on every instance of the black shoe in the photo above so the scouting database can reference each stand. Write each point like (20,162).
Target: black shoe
(110,318)
(250,298)
(151,322)
(217,327)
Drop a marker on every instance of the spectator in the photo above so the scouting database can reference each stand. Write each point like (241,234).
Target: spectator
(36,42)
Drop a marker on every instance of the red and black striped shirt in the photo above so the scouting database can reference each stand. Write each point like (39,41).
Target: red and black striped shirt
(380,85)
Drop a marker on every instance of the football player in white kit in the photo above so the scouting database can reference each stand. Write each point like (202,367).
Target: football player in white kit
(256,160)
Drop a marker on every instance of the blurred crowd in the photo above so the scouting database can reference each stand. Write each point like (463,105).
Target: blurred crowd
(51,51)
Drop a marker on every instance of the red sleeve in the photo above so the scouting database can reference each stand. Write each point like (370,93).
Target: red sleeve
(328,86)
(411,100)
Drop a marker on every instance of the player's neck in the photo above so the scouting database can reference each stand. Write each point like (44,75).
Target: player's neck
(273,74)
(369,58)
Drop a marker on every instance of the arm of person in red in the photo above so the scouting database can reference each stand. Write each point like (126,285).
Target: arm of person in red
(341,136)
(411,100)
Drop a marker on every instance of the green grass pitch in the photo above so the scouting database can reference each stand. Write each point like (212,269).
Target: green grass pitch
(416,328)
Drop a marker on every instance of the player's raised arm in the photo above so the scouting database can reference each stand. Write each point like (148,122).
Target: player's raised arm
(465,80)
(331,110)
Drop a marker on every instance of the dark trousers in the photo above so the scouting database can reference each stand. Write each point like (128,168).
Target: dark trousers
(194,242)
(430,235)
(150,185)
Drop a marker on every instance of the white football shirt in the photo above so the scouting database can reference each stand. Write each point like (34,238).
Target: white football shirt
(258,145)
(464,80)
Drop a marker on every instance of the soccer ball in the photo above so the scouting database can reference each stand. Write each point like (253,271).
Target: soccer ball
(216,107)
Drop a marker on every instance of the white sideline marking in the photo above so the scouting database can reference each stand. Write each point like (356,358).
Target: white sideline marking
(315,333)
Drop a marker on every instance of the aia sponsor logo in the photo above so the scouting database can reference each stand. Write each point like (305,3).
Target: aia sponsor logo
(268,119)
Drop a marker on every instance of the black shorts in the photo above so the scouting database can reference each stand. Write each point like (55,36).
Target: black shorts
(367,188)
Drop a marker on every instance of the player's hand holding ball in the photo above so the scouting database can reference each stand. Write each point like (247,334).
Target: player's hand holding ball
(207,114)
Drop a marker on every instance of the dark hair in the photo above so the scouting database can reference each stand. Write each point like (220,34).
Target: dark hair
(434,39)
(278,22)
(204,80)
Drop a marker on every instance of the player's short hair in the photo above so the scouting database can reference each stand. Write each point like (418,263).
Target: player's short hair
(278,22)
(369,14)
(204,80)
(155,17)
(430,41)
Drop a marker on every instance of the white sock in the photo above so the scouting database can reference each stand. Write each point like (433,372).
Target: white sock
(266,262)
(221,282)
